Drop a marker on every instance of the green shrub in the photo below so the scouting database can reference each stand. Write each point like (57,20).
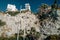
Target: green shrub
(13,13)
(53,37)
(2,23)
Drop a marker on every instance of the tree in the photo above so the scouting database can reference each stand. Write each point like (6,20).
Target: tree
(54,7)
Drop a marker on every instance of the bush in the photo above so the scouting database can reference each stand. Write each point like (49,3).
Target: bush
(2,23)
(13,13)
(53,37)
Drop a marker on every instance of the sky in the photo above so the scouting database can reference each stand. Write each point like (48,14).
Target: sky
(33,3)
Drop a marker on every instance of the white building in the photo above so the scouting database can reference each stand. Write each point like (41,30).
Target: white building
(27,7)
(11,7)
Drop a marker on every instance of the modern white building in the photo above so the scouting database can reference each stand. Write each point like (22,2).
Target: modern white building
(27,7)
(11,7)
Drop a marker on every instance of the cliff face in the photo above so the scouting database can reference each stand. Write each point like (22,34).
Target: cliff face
(21,21)
(27,20)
